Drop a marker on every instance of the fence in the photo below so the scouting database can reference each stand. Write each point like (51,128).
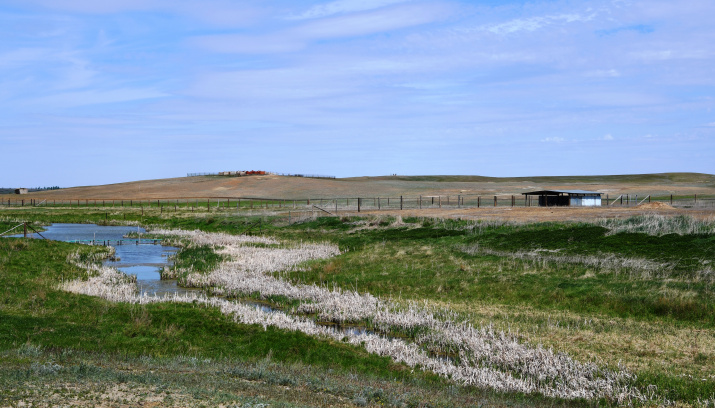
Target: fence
(332,205)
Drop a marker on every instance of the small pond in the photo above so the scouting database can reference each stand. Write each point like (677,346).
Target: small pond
(145,260)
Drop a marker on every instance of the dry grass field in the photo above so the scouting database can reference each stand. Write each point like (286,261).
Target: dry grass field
(291,188)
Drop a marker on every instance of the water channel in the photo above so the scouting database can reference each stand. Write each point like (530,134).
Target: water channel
(145,261)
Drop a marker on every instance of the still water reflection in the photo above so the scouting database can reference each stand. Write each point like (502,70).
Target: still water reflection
(144,261)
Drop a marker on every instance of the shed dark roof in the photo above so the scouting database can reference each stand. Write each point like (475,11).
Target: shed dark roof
(560,192)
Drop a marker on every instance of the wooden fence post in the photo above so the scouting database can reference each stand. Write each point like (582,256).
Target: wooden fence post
(671,199)
(495,201)
(359,201)
(400,202)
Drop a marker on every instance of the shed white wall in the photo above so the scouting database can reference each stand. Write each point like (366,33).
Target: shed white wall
(586,201)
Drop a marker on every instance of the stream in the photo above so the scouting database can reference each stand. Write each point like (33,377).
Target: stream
(145,261)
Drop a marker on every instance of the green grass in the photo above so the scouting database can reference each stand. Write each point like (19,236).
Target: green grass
(34,311)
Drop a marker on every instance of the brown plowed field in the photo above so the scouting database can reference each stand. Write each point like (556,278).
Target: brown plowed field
(290,188)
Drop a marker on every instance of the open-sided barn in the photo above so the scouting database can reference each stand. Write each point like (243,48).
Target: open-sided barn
(573,198)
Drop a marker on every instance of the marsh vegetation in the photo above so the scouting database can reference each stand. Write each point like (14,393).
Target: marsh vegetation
(539,310)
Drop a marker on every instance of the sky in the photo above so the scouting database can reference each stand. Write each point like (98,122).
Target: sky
(98,92)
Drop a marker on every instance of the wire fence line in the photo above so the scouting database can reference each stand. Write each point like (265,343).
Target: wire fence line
(331,205)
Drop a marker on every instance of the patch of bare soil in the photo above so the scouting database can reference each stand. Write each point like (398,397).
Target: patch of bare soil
(655,206)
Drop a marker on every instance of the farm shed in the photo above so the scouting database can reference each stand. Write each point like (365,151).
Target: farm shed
(572,198)
(20,191)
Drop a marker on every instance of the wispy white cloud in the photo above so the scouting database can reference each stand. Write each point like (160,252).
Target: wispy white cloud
(296,38)
(603,73)
(343,7)
(534,23)
(373,22)
(95,97)
(553,140)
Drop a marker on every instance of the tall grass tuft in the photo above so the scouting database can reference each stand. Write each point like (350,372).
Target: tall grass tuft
(657,225)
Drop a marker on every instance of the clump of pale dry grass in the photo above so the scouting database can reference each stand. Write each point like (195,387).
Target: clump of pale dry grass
(487,358)
(655,224)
(107,283)
(635,267)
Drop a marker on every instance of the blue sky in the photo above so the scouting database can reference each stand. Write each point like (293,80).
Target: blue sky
(97,92)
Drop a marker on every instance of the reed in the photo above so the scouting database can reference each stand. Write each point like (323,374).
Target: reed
(484,357)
